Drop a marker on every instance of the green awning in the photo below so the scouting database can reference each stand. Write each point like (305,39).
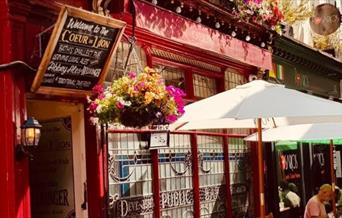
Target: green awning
(294,143)
(286,145)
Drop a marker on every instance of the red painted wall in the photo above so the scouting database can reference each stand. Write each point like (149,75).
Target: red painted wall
(7,197)
(94,155)
(18,42)
(14,199)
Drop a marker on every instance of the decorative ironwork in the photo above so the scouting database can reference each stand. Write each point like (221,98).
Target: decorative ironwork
(187,163)
(133,207)
(112,199)
(201,159)
(188,213)
(177,198)
(114,165)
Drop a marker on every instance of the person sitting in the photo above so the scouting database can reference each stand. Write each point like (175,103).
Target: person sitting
(315,206)
(288,196)
(338,199)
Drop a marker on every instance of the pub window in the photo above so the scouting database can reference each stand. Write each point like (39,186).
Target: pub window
(136,62)
(172,76)
(204,86)
(233,78)
(241,179)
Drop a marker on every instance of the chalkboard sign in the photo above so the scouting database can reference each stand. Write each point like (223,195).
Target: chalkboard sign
(79,53)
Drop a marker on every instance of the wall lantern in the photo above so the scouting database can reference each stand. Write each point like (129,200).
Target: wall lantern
(30,135)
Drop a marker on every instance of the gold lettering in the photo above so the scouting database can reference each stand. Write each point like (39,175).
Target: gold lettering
(95,41)
(101,43)
(73,37)
(63,35)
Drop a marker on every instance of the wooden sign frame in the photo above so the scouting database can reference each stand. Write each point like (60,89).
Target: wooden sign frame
(87,16)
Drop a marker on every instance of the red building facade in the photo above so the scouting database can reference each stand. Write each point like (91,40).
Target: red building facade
(201,60)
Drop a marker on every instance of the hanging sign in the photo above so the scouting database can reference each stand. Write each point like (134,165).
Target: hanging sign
(159,139)
(289,163)
(79,53)
(326,20)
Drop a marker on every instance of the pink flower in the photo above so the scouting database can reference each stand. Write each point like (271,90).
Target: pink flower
(119,105)
(132,75)
(92,107)
(180,110)
(101,96)
(171,118)
(98,89)
(139,86)
(175,92)
(177,95)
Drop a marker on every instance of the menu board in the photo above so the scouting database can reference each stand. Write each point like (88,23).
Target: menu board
(79,53)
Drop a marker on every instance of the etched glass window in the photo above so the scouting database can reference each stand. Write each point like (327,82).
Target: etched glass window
(233,78)
(175,176)
(211,176)
(130,176)
(172,76)
(240,177)
(204,86)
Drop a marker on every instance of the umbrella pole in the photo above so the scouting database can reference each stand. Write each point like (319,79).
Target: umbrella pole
(261,170)
(332,173)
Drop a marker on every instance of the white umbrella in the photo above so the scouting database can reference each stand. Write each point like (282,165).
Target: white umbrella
(255,100)
(250,123)
(260,99)
(317,131)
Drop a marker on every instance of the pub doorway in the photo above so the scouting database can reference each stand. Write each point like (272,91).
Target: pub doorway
(57,166)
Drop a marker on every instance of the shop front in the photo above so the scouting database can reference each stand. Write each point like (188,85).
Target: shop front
(303,164)
(79,170)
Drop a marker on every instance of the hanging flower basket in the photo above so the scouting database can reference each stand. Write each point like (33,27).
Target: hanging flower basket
(261,12)
(137,100)
(136,118)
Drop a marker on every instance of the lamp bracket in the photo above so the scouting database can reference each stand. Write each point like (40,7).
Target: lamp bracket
(21,153)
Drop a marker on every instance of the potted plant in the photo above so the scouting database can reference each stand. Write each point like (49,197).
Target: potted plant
(137,100)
